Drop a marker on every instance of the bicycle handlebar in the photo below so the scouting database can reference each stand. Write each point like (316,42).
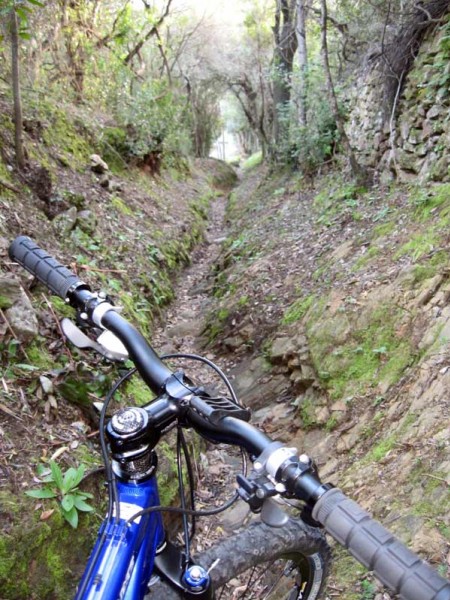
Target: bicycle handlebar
(378,550)
(152,369)
(49,271)
(68,286)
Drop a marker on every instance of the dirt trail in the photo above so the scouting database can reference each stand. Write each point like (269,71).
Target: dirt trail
(184,320)
(181,333)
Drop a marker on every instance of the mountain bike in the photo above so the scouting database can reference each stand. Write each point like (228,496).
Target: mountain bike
(283,556)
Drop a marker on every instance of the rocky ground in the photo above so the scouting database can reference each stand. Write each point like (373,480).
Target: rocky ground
(329,309)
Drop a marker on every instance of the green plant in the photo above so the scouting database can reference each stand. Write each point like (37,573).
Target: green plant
(419,245)
(252,161)
(425,202)
(368,590)
(306,410)
(379,451)
(331,423)
(63,488)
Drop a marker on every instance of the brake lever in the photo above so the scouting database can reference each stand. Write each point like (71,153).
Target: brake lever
(107,344)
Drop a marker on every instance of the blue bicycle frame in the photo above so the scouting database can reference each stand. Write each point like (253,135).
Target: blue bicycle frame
(123,557)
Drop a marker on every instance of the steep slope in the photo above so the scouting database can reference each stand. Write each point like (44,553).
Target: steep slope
(331,301)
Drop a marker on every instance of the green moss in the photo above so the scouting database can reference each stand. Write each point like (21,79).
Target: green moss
(298,309)
(74,199)
(423,272)
(320,272)
(216,323)
(114,148)
(307,415)
(440,259)
(167,477)
(87,456)
(138,392)
(138,310)
(38,355)
(223,314)
(379,451)
(336,197)
(252,161)
(383,230)
(445,531)
(351,359)
(222,287)
(5,302)
(427,201)
(232,202)
(62,309)
(38,562)
(62,134)
(348,572)
(331,423)
(431,510)
(363,260)
(5,175)
(120,206)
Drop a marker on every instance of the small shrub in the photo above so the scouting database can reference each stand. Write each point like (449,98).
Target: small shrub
(64,489)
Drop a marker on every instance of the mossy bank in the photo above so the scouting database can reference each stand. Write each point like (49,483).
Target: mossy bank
(123,231)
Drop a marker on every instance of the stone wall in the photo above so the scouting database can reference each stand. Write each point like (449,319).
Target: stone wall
(416,146)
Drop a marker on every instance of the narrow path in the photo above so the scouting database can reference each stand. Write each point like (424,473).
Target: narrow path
(184,320)
(180,333)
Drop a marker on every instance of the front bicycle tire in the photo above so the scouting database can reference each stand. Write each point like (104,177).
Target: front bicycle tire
(264,563)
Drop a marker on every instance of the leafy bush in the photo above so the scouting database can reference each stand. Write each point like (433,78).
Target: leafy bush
(154,120)
(309,146)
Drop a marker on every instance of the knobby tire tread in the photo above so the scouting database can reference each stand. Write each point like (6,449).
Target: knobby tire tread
(253,545)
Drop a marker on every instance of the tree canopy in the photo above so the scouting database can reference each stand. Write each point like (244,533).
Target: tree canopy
(161,70)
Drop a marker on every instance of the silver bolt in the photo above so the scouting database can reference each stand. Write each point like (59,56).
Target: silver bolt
(258,466)
(304,458)
(195,573)
(83,316)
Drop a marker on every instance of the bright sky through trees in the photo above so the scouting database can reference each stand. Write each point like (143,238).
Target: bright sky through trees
(228,11)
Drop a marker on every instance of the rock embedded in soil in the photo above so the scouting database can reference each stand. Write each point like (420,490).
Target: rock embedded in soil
(21,315)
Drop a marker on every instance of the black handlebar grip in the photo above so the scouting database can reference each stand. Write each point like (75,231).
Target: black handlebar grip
(379,550)
(43,266)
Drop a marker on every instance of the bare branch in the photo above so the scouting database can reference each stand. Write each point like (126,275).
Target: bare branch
(341,27)
(8,186)
(153,31)
(430,19)
(400,54)
(104,41)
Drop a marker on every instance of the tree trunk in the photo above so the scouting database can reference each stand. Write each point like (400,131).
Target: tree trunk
(76,55)
(285,48)
(18,120)
(300,32)
(359,173)
(246,96)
